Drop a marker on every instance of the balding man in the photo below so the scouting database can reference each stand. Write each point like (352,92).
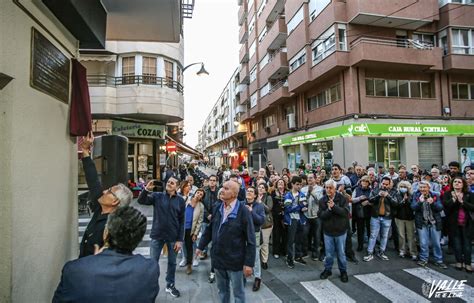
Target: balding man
(233,239)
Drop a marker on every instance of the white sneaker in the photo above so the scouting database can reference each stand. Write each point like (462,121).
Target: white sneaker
(182,263)
(196,262)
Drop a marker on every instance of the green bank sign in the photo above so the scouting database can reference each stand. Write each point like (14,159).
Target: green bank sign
(138,130)
(364,129)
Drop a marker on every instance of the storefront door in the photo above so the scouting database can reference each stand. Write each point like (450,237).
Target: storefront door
(430,151)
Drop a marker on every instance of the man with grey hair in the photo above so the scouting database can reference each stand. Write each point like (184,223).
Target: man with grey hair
(103,202)
(91,279)
(193,189)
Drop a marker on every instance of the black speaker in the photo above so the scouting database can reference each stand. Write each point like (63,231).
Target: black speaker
(110,155)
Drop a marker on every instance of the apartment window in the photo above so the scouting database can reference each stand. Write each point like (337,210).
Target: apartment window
(252,49)
(149,70)
(291,109)
(399,88)
(253,100)
(253,74)
(255,126)
(298,60)
(264,61)
(463,91)
(316,7)
(262,34)
(169,73)
(443,41)
(297,18)
(251,24)
(325,44)
(128,70)
(265,90)
(327,96)
(269,121)
(426,39)
(463,41)
(261,7)
(444,2)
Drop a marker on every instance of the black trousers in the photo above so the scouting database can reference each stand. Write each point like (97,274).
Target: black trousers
(279,236)
(363,226)
(313,236)
(188,245)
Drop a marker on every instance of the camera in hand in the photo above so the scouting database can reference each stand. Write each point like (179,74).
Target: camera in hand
(157,186)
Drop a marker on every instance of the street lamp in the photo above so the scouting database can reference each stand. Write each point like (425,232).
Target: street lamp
(201,71)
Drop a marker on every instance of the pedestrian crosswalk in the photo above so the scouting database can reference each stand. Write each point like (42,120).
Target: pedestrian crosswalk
(143,248)
(402,285)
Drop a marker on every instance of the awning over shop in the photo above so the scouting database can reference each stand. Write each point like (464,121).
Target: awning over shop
(184,148)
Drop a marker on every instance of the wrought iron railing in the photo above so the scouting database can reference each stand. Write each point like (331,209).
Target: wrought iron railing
(105,80)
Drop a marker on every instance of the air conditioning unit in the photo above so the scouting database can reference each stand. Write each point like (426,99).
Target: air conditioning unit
(267,129)
(291,121)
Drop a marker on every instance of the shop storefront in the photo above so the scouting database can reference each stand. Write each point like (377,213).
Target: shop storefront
(143,148)
(382,144)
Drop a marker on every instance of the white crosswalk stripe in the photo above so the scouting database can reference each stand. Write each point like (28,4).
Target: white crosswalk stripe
(429,275)
(390,289)
(326,291)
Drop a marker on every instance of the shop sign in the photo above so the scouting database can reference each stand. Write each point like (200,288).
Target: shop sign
(138,130)
(364,129)
(171,147)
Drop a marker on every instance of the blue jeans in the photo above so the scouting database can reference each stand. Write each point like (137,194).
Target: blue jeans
(427,234)
(257,269)
(203,228)
(155,250)
(335,247)
(224,280)
(382,225)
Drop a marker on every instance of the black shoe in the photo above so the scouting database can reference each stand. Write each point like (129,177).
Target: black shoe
(290,263)
(203,256)
(344,277)
(301,261)
(256,284)
(325,274)
(265,265)
(353,259)
(173,291)
(314,256)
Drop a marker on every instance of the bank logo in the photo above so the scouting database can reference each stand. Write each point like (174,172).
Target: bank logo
(360,128)
(443,289)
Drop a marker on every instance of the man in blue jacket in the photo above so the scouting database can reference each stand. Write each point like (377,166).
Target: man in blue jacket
(167,227)
(114,274)
(233,243)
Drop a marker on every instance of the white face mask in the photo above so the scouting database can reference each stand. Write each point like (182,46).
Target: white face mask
(403,190)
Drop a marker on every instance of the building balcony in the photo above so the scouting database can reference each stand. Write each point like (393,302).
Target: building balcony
(456,14)
(243,117)
(381,13)
(240,109)
(276,68)
(244,53)
(253,87)
(377,52)
(254,110)
(278,94)
(244,95)
(458,62)
(273,9)
(137,97)
(330,65)
(242,14)
(244,73)
(298,78)
(243,33)
(275,37)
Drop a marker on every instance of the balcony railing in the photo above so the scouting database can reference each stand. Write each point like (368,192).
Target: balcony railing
(404,43)
(105,80)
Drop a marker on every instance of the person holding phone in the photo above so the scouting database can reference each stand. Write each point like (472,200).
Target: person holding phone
(168,225)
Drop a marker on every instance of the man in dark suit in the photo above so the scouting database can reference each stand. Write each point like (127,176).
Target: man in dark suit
(114,274)
(103,201)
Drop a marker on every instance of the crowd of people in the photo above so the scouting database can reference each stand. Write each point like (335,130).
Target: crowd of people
(240,219)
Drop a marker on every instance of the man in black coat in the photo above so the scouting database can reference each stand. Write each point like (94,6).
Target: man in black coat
(102,202)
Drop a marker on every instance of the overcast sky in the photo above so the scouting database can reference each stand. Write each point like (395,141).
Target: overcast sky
(210,36)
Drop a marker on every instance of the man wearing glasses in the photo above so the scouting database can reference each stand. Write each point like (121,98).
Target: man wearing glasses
(102,202)
(210,201)
(167,227)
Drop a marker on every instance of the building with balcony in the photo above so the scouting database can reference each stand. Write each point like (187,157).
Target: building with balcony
(341,81)
(223,139)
